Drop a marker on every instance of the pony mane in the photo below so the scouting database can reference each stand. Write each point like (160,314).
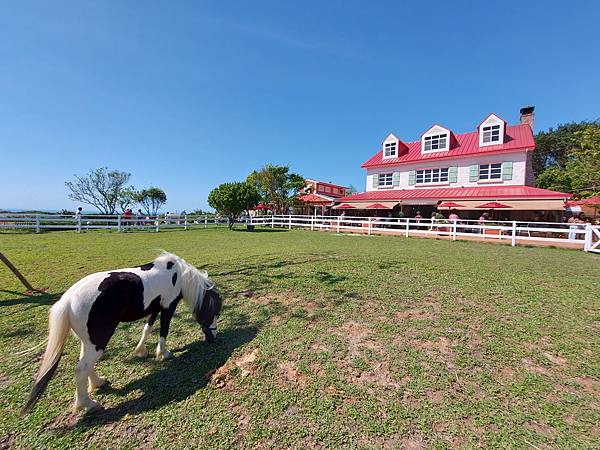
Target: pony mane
(194,282)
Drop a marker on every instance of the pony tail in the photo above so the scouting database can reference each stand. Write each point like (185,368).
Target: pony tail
(58,324)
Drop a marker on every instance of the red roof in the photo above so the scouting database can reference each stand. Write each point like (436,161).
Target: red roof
(487,192)
(518,137)
(313,198)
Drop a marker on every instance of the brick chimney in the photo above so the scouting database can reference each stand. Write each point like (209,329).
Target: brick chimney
(527,115)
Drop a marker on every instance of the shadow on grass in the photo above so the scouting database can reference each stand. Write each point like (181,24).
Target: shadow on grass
(35,299)
(174,380)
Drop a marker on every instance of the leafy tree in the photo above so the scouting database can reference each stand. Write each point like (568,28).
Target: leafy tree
(151,199)
(351,190)
(231,199)
(276,186)
(100,188)
(128,198)
(570,158)
(552,147)
(554,179)
(584,166)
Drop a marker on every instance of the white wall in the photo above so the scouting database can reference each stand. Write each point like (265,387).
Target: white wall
(519,177)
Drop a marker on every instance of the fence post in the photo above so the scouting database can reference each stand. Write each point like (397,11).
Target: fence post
(338,224)
(272,221)
(587,245)
(454,230)
(312,223)
(79,223)
(37,223)
(185,222)
(407,226)
(369,228)
(290,222)
(119,223)
(514,233)
(205,221)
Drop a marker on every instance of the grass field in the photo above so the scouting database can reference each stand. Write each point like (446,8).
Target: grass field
(325,340)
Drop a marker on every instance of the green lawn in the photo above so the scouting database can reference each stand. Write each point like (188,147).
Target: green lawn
(324,339)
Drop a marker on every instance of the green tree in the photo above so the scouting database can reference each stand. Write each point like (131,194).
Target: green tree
(128,198)
(552,147)
(151,199)
(277,186)
(100,188)
(584,165)
(554,179)
(232,199)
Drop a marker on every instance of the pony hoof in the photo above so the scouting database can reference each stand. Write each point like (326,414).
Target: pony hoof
(164,356)
(99,383)
(142,352)
(94,406)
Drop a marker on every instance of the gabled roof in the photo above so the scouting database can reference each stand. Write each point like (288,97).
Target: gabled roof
(485,192)
(325,183)
(490,115)
(518,137)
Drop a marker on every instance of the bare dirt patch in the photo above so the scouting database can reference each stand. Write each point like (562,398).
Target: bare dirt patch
(356,335)
(558,360)
(380,376)
(223,375)
(588,383)
(540,428)
(531,366)
(414,442)
(287,371)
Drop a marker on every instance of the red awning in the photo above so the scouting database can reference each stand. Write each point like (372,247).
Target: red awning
(344,206)
(314,199)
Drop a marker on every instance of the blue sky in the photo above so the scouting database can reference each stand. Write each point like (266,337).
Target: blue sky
(187,95)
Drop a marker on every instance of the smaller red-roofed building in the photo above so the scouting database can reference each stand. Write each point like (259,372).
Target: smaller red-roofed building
(318,196)
(491,163)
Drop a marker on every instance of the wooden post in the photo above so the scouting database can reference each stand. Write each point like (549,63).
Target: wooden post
(338,224)
(205,221)
(185,222)
(312,223)
(369,227)
(14,270)
(119,223)
(513,241)
(37,223)
(290,223)
(79,223)
(272,221)
(407,226)
(454,230)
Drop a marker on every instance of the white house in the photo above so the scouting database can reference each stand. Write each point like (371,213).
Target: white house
(491,163)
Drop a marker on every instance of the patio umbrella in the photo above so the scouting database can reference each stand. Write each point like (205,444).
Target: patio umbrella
(377,206)
(493,205)
(261,207)
(594,202)
(345,206)
(450,205)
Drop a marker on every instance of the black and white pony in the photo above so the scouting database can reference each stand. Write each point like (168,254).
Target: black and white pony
(95,305)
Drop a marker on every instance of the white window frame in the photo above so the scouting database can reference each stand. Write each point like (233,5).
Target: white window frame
(392,147)
(485,172)
(383,179)
(491,132)
(487,126)
(434,140)
(427,176)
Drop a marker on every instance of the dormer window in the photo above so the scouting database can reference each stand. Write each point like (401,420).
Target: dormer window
(390,150)
(436,142)
(491,134)
(491,131)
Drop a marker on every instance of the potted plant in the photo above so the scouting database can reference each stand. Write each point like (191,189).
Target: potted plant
(440,219)
(491,232)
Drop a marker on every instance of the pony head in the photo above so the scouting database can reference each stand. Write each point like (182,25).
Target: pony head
(207,312)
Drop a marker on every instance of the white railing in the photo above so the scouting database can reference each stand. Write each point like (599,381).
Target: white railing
(585,236)
(40,222)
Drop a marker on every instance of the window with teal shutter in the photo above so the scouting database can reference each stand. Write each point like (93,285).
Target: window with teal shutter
(452,174)
(474,173)
(507,170)
(412,175)
(396,179)
(375,179)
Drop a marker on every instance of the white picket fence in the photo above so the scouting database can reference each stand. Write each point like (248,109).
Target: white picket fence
(40,222)
(585,236)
